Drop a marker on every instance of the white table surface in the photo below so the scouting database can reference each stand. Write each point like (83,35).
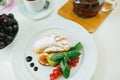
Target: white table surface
(106,37)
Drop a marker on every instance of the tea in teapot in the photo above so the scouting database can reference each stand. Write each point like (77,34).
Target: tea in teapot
(87,8)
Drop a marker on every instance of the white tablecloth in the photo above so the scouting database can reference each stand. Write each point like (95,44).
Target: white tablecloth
(106,37)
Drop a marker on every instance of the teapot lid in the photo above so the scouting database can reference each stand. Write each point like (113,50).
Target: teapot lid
(85,1)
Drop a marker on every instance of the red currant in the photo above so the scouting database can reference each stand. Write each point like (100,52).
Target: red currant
(73,63)
(55,73)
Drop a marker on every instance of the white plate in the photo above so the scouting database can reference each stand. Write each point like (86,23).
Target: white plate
(37,15)
(29,35)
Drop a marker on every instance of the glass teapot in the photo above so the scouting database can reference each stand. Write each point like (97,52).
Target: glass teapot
(90,8)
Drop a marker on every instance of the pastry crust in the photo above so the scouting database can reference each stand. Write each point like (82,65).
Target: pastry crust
(52,43)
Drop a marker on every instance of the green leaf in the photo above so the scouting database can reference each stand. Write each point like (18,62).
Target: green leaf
(57,57)
(65,56)
(65,68)
(77,47)
(73,54)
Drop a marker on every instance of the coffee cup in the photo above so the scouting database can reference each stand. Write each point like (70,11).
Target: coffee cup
(34,5)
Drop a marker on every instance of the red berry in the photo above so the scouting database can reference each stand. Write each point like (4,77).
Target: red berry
(76,60)
(55,75)
(52,78)
(74,64)
(58,68)
(60,73)
(69,60)
(51,75)
(55,72)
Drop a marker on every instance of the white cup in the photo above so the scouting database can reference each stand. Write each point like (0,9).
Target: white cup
(34,5)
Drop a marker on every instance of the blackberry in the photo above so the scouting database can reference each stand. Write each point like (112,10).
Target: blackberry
(8,29)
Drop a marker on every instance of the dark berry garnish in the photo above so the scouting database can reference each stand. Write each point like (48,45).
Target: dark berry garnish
(11,15)
(9,21)
(14,21)
(8,29)
(15,27)
(32,64)
(5,20)
(1,30)
(35,68)
(28,58)
(1,19)
(2,44)
(8,39)
(4,16)
(2,36)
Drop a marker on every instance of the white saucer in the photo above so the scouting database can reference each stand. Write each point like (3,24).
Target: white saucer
(37,15)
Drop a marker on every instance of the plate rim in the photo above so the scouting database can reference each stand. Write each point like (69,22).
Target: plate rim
(87,33)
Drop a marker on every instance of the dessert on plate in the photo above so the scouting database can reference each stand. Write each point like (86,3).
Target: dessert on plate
(51,43)
(56,50)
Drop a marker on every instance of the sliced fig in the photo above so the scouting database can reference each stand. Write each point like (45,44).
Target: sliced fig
(43,59)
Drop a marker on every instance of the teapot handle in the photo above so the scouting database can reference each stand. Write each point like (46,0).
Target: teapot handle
(110,5)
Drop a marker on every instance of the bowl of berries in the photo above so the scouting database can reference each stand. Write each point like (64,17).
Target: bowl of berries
(8,29)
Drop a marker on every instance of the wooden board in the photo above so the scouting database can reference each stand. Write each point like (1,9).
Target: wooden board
(91,24)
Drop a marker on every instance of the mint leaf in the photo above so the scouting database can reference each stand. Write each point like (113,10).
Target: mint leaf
(57,57)
(65,68)
(73,54)
(77,47)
